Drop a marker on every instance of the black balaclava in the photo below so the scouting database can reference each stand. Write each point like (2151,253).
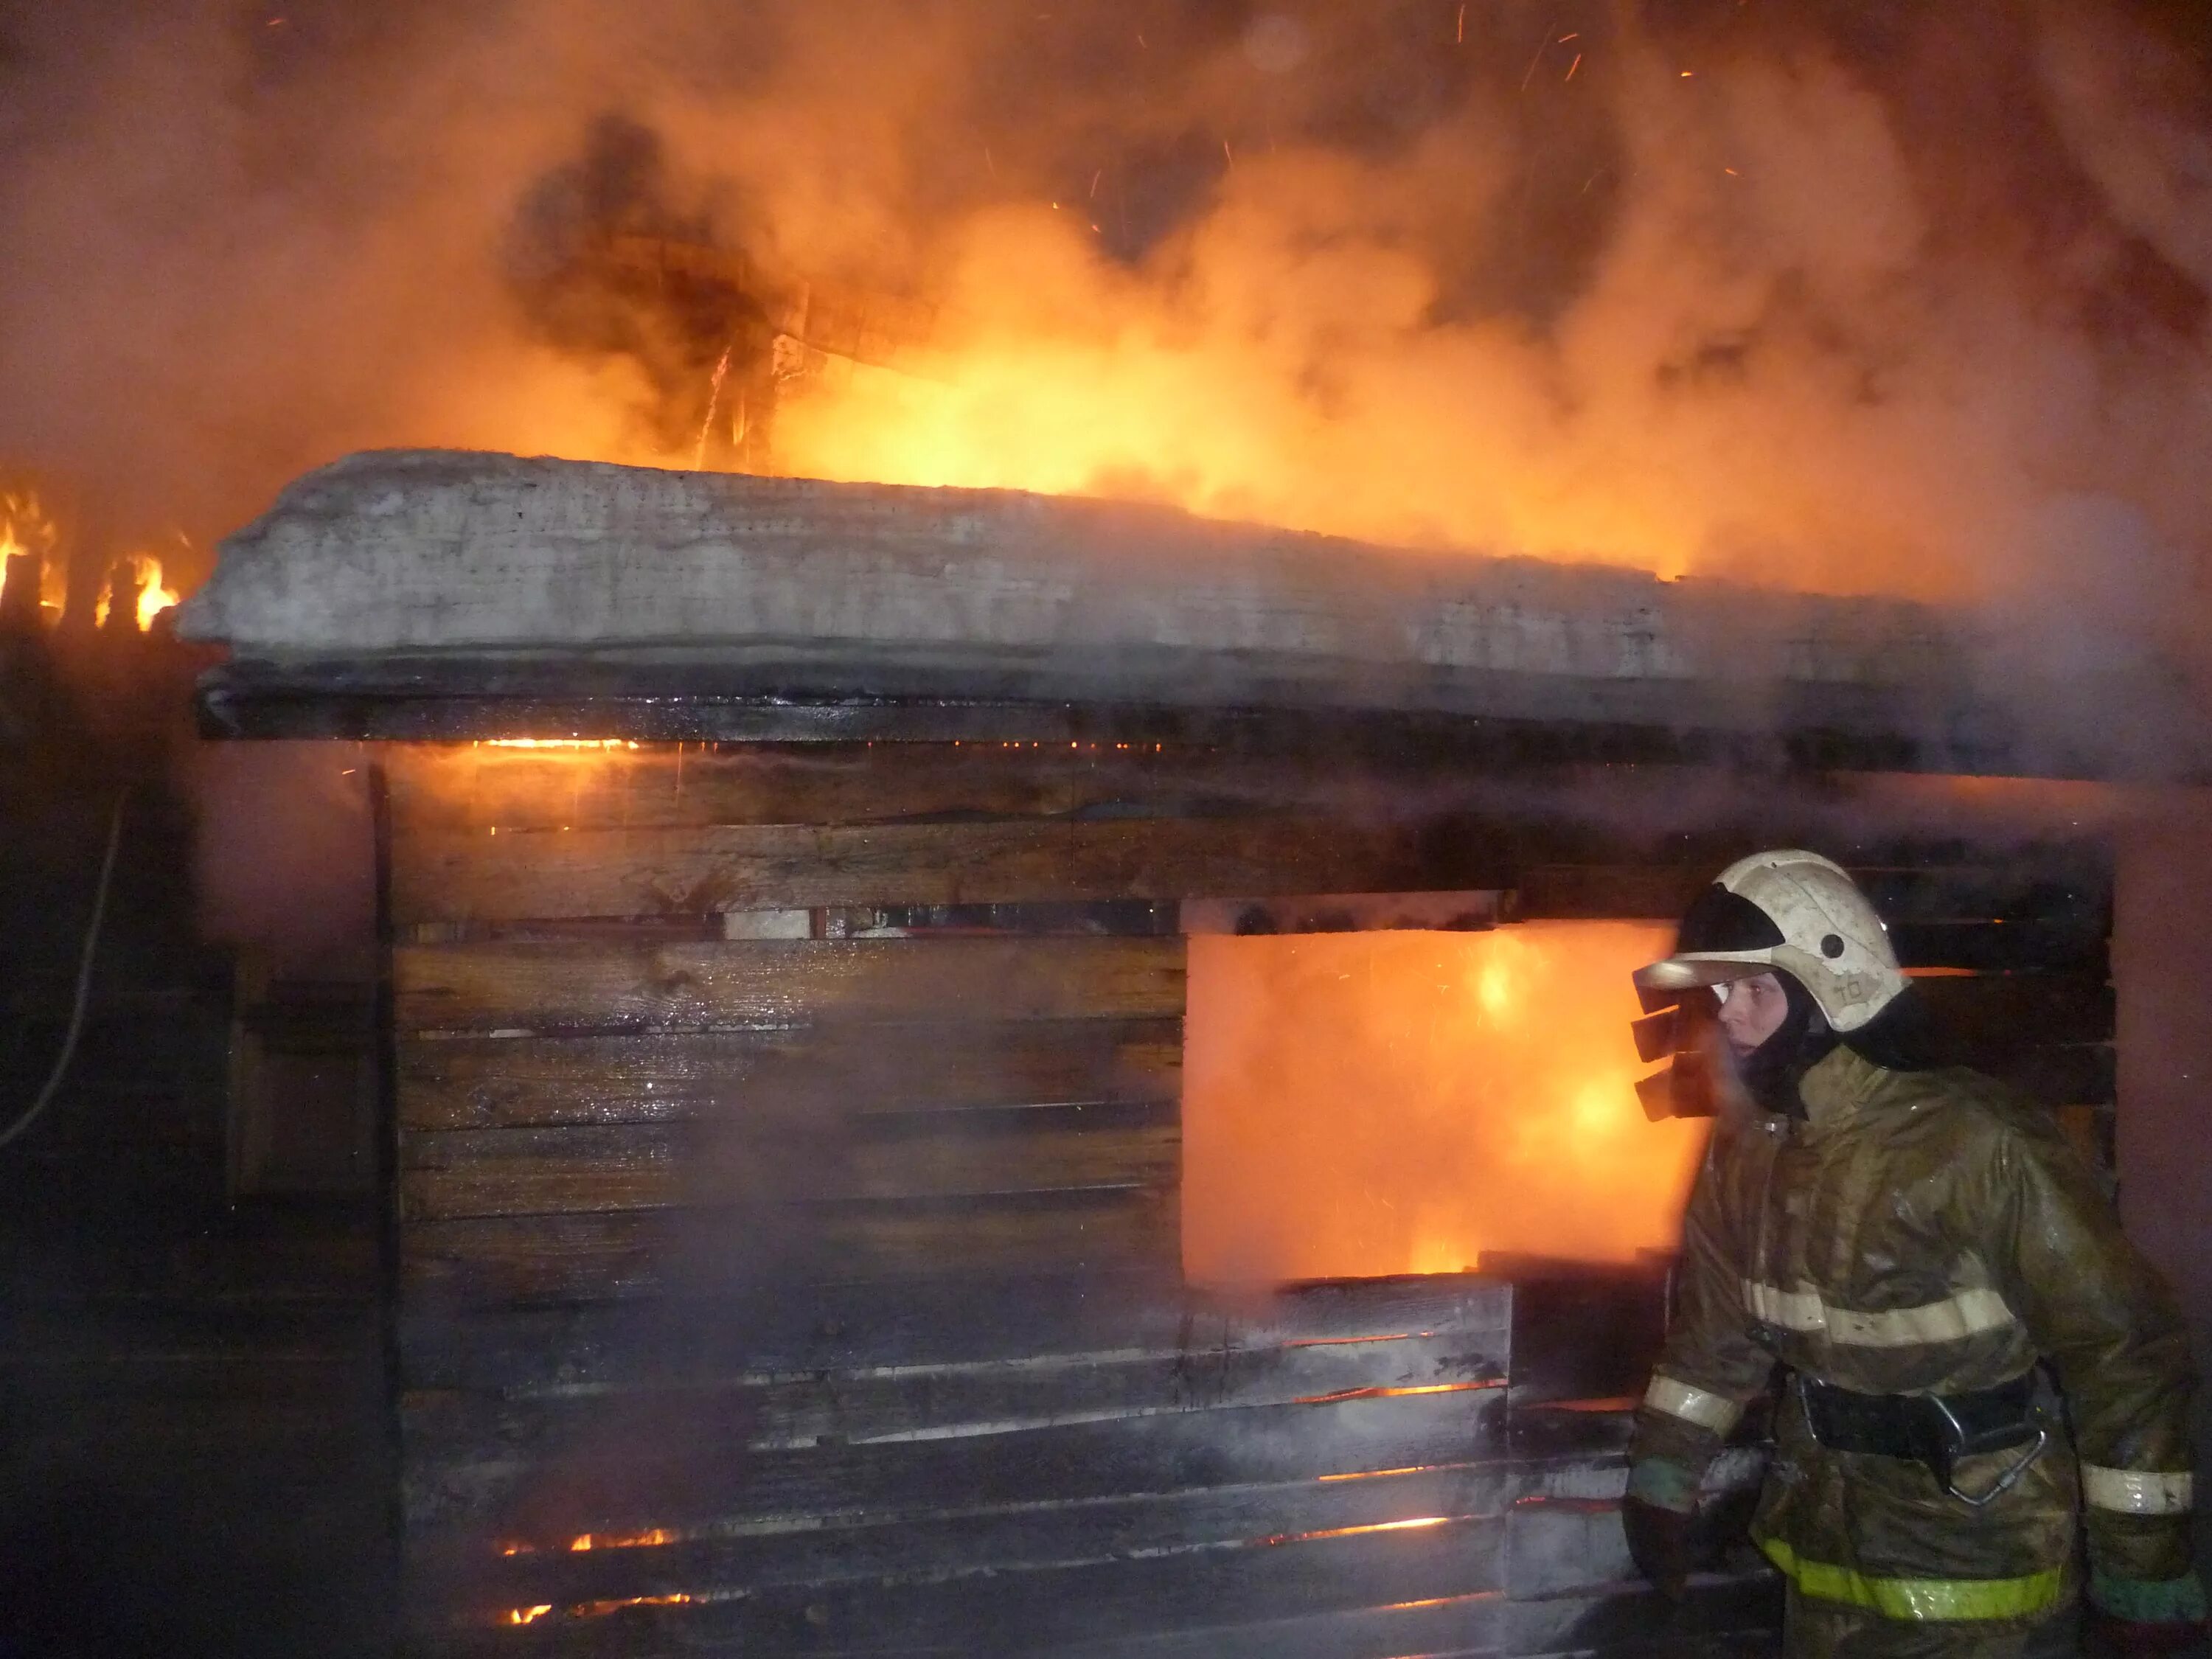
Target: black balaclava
(1771,1071)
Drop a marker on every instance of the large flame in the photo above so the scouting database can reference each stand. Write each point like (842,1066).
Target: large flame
(1371,1103)
(25,527)
(154,595)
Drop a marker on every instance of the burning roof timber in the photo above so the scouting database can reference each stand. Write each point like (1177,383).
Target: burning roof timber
(469,589)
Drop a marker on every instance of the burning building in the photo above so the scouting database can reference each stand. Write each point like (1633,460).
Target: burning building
(879,993)
(962,1070)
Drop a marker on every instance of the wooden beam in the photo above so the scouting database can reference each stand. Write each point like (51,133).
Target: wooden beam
(583,1257)
(464,1083)
(849,1328)
(780,1412)
(586,985)
(644,1480)
(486,1172)
(708,870)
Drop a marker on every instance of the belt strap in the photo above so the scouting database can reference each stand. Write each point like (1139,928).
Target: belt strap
(1931,1428)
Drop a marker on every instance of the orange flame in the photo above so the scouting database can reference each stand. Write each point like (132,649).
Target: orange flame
(26,528)
(1368,1103)
(154,595)
(618,1540)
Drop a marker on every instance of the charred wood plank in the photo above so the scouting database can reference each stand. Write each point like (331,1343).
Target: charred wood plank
(479,1586)
(519,988)
(942,1321)
(468,787)
(489,1082)
(1036,1609)
(557,874)
(485,1172)
(590,1256)
(634,1480)
(783,1410)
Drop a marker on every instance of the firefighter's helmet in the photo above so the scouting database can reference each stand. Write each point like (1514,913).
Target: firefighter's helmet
(1792,911)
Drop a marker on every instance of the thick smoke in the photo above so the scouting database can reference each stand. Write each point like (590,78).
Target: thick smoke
(1845,296)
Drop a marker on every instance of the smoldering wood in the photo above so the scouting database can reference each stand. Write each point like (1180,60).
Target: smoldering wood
(389,702)
(800,589)
(1038,1611)
(937,1321)
(1035,1536)
(631,1481)
(772,1410)
(1345,912)
(467,787)
(457,1083)
(736,985)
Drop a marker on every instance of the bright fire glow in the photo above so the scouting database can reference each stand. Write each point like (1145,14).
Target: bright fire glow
(622,1540)
(556,743)
(25,528)
(155,595)
(1360,1104)
(597,1610)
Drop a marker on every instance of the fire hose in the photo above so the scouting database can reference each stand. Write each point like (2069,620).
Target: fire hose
(85,960)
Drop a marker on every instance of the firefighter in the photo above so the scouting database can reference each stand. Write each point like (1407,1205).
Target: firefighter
(1970,1352)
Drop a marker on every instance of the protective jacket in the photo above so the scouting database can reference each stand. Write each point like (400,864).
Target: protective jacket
(1927,1233)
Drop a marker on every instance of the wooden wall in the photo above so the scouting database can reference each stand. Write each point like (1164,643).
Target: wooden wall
(787,1166)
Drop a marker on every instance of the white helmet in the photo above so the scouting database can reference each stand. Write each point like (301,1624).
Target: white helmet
(1794,911)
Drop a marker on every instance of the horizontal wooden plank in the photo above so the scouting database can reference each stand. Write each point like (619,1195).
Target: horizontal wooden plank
(561,874)
(476,787)
(737,984)
(2004,947)
(1717,1617)
(628,1482)
(914,1402)
(491,1082)
(845,1329)
(484,1172)
(1030,1536)
(1996,1014)
(2070,887)
(1023,1611)
(586,1257)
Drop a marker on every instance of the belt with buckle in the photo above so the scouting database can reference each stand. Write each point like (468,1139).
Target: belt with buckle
(1936,1429)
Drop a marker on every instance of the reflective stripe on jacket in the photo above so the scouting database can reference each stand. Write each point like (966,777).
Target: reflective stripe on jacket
(1927,1232)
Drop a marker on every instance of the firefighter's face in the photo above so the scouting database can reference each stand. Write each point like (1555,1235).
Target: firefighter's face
(1752,1011)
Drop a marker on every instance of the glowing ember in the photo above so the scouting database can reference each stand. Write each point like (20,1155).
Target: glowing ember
(615,1540)
(556,743)
(1414,1525)
(1371,1103)
(599,1609)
